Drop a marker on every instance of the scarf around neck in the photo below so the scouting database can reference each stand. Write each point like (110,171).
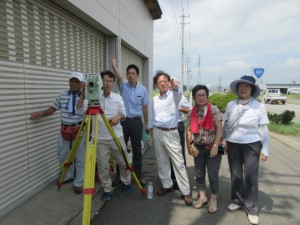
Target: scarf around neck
(207,122)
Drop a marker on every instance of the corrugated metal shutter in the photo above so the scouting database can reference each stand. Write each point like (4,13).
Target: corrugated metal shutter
(130,57)
(14,177)
(40,33)
(40,44)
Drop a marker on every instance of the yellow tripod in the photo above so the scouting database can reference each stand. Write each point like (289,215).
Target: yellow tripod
(66,165)
(90,159)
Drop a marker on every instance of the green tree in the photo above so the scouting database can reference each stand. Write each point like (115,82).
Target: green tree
(221,99)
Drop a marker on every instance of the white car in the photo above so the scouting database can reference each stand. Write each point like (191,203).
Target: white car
(294,91)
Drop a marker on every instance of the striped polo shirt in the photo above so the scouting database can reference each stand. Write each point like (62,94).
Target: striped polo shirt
(61,103)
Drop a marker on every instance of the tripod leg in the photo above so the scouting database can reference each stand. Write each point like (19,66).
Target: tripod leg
(66,165)
(89,171)
(128,164)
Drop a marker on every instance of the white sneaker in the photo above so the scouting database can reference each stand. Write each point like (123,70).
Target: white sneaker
(233,207)
(253,219)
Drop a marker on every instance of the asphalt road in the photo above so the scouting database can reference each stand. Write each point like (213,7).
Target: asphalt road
(274,108)
(278,196)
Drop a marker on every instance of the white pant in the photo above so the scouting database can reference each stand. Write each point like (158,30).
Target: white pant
(167,145)
(104,149)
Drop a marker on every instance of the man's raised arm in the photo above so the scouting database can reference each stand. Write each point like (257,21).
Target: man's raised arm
(116,70)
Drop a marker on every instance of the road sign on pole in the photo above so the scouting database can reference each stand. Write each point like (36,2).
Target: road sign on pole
(258,72)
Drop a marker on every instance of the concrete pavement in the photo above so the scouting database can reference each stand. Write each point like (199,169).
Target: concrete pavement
(290,141)
(50,207)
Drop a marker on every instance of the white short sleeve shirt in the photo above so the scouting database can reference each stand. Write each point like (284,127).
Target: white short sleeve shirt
(112,105)
(247,130)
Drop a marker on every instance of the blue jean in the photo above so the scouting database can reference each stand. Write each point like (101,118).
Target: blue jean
(63,150)
(203,161)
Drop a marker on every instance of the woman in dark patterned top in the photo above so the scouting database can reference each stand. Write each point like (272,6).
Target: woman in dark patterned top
(203,135)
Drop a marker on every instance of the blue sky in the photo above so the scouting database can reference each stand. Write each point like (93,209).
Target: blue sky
(231,37)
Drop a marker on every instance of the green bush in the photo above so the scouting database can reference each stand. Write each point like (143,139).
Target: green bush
(221,99)
(284,118)
(273,117)
(287,116)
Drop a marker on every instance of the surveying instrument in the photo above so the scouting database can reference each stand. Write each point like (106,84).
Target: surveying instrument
(93,93)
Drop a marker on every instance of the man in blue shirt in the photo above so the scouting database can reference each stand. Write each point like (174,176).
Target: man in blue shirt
(136,99)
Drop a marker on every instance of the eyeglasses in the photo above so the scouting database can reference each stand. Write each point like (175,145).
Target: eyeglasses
(162,81)
(200,95)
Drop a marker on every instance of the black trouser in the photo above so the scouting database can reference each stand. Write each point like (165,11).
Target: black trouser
(244,162)
(181,132)
(133,129)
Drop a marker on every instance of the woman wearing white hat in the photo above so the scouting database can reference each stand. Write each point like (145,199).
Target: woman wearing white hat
(246,133)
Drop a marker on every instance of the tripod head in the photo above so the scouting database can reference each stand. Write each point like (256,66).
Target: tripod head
(93,89)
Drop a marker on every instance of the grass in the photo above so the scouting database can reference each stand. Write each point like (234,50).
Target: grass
(292,128)
(289,129)
(293,99)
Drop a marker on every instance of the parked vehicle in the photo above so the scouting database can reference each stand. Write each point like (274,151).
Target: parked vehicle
(274,96)
(294,91)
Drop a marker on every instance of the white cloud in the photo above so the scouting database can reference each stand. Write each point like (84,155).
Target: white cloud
(293,62)
(231,37)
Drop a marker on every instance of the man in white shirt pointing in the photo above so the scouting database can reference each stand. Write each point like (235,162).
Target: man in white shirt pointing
(163,124)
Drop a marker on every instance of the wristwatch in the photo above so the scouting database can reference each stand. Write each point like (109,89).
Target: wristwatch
(215,145)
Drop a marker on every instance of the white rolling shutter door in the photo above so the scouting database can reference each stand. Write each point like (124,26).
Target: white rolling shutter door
(130,57)
(14,178)
(40,44)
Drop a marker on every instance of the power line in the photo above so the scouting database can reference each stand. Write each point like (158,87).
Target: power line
(185,38)
(175,19)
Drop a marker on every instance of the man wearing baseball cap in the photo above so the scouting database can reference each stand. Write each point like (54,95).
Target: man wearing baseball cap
(72,106)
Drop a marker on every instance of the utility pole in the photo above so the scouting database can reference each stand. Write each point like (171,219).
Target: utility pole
(220,84)
(252,68)
(188,78)
(199,73)
(182,47)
